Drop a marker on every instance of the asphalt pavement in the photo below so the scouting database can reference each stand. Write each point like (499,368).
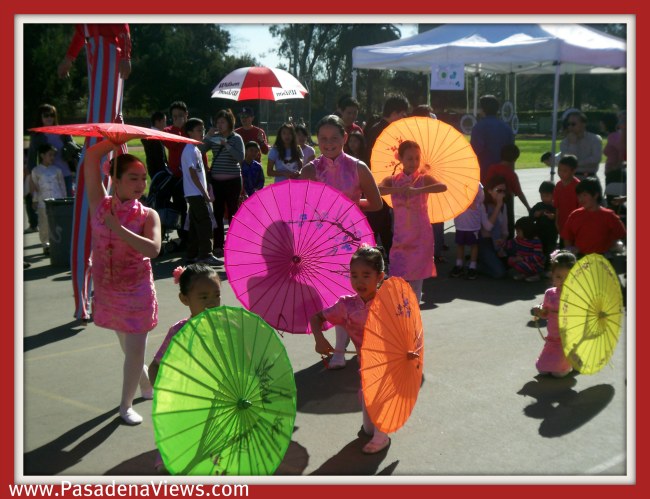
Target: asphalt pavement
(483,413)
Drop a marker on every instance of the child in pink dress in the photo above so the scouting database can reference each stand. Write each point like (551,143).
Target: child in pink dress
(350,176)
(125,236)
(351,312)
(552,360)
(411,255)
(200,289)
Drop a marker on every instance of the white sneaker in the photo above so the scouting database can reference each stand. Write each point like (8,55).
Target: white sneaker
(533,278)
(130,417)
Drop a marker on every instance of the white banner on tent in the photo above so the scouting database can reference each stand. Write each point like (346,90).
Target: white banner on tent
(448,76)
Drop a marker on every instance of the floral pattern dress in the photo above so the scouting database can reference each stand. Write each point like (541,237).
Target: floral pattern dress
(411,256)
(124,297)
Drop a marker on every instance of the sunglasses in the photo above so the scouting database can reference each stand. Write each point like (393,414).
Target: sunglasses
(500,191)
(573,123)
(48,115)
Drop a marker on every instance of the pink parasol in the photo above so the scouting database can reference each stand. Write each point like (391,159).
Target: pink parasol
(288,250)
(117,133)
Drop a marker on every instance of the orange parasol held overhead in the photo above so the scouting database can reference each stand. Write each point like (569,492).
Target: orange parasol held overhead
(446,155)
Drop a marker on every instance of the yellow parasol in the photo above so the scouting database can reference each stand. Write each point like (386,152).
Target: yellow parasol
(590,315)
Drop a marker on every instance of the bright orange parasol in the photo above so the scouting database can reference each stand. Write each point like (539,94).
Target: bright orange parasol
(446,155)
(392,355)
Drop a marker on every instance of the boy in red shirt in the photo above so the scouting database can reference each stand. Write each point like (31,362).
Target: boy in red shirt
(565,198)
(592,228)
(506,169)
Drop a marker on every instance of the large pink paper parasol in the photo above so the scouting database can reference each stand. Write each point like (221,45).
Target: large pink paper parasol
(259,82)
(115,132)
(288,250)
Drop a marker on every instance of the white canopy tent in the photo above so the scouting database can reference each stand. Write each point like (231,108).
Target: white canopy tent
(501,48)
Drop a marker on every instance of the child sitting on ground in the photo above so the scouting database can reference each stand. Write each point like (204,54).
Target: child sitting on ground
(525,255)
(592,228)
(506,169)
(543,215)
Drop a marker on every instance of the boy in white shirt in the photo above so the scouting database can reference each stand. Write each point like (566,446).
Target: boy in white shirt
(199,244)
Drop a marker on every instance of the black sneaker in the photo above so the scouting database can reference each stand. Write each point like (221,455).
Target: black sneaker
(471,274)
(457,271)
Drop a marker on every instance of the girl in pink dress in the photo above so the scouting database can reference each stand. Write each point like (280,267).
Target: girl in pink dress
(125,236)
(350,176)
(411,256)
(351,313)
(200,289)
(552,360)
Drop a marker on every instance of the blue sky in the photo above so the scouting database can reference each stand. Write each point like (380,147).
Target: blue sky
(256,40)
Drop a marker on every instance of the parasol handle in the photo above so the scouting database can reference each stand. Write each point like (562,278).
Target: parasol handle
(344,351)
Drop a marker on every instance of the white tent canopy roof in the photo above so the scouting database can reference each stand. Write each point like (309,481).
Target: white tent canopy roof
(500,48)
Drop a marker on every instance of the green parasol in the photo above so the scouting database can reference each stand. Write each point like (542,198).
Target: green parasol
(225,397)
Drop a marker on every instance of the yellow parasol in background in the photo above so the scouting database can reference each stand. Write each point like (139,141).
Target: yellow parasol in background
(590,314)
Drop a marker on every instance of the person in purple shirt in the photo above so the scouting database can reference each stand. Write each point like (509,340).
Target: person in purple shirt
(489,135)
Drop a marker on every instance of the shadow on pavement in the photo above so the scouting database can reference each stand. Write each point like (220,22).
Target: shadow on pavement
(443,289)
(351,461)
(52,335)
(321,391)
(142,464)
(53,458)
(295,460)
(35,273)
(562,409)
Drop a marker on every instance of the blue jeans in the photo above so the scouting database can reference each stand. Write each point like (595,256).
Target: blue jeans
(489,263)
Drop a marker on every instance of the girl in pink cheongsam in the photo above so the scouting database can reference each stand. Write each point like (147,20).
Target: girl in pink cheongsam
(125,236)
(351,313)
(411,255)
(350,176)
(552,359)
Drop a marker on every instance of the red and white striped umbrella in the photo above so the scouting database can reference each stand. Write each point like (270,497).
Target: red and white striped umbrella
(259,82)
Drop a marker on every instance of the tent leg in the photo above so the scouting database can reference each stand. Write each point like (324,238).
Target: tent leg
(556,98)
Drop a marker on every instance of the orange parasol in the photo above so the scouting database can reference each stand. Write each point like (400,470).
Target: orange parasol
(392,355)
(446,155)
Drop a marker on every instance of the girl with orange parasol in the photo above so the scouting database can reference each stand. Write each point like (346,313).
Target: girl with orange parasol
(411,255)
(350,176)
(125,236)
(351,312)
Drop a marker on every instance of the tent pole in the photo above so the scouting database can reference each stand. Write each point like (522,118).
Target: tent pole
(476,94)
(354,83)
(556,98)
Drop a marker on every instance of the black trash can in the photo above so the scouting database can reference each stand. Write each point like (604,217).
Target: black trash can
(59,218)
